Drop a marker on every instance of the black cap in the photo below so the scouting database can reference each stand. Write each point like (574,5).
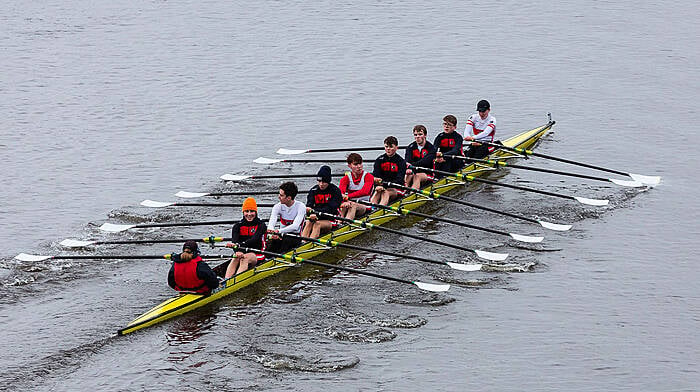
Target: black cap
(191,245)
(324,174)
(483,105)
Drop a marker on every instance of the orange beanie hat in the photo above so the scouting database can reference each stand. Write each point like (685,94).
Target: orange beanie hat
(250,205)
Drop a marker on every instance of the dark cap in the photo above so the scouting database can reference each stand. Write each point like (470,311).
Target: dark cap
(324,174)
(191,245)
(483,105)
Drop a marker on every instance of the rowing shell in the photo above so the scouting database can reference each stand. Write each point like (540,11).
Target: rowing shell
(184,303)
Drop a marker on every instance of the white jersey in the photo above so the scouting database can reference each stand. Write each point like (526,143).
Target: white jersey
(290,218)
(481,130)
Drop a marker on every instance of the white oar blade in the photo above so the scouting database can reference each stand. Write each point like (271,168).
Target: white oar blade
(112,228)
(432,287)
(491,256)
(632,184)
(592,202)
(190,195)
(465,267)
(233,177)
(68,243)
(554,226)
(267,161)
(284,151)
(525,238)
(155,204)
(647,180)
(28,257)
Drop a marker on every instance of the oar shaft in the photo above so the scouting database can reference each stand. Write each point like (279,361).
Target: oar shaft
(164,241)
(435,218)
(343,149)
(462,202)
(217,205)
(147,225)
(536,154)
(291,175)
(397,232)
(364,249)
(537,169)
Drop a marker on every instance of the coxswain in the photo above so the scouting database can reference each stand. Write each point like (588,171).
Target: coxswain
(481,127)
(420,153)
(323,197)
(290,213)
(355,186)
(448,142)
(248,233)
(189,273)
(388,167)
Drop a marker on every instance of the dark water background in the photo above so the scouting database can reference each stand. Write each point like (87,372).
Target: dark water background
(103,105)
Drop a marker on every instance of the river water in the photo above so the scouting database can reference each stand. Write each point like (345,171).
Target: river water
(105,104)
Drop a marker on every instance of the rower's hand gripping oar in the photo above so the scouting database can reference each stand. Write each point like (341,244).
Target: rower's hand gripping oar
(483,254)
(633,184)
(457,266)
(403,211)
(582,200)
(297,259)
(646,180)
(433,195)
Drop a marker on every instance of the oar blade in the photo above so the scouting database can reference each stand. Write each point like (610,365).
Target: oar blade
(31,258)
(465,267)
(491,256)
(525,238)
(156,204)
(592,202)
(267,161)
(112,228)
(284,151)
(631,184)
(438,288)
(554,226)
(69,243)
(190,195)
(646,180)
(234,177)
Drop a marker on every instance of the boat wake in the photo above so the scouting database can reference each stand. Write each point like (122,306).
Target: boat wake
(311,363)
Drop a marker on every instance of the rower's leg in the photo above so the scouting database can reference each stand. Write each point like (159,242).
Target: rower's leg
(232,266)
(322,226)
(247,260)
(307,228)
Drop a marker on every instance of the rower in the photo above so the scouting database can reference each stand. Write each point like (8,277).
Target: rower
(481,127)
(323,197)
(388,167)
(248,233)
(355,185)
(420,153)
(448,142)
(290,214)
(189,273)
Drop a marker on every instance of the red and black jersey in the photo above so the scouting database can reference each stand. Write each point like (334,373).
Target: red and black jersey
(327,200)
(390,169)
(249,234)
(420,157)
(449,143)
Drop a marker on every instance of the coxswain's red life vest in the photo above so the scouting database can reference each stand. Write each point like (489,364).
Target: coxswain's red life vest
(186,277)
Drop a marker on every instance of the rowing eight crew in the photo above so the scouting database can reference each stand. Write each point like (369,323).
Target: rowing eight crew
(189,273)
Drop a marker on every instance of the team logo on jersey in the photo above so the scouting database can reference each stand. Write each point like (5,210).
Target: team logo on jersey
(390,167)
(447,143)
(248,231)
(322,199)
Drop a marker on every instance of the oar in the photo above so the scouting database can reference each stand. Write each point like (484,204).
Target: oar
(192,195)
(269,161)
(483,254)
(295,259)
(517,237)
(113,228)
(240,177)
(34,258)
(647,180)
(285,151)
(582,200)
(70,243)
(457,266)
(161,204)
(431,194)
(634,184)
